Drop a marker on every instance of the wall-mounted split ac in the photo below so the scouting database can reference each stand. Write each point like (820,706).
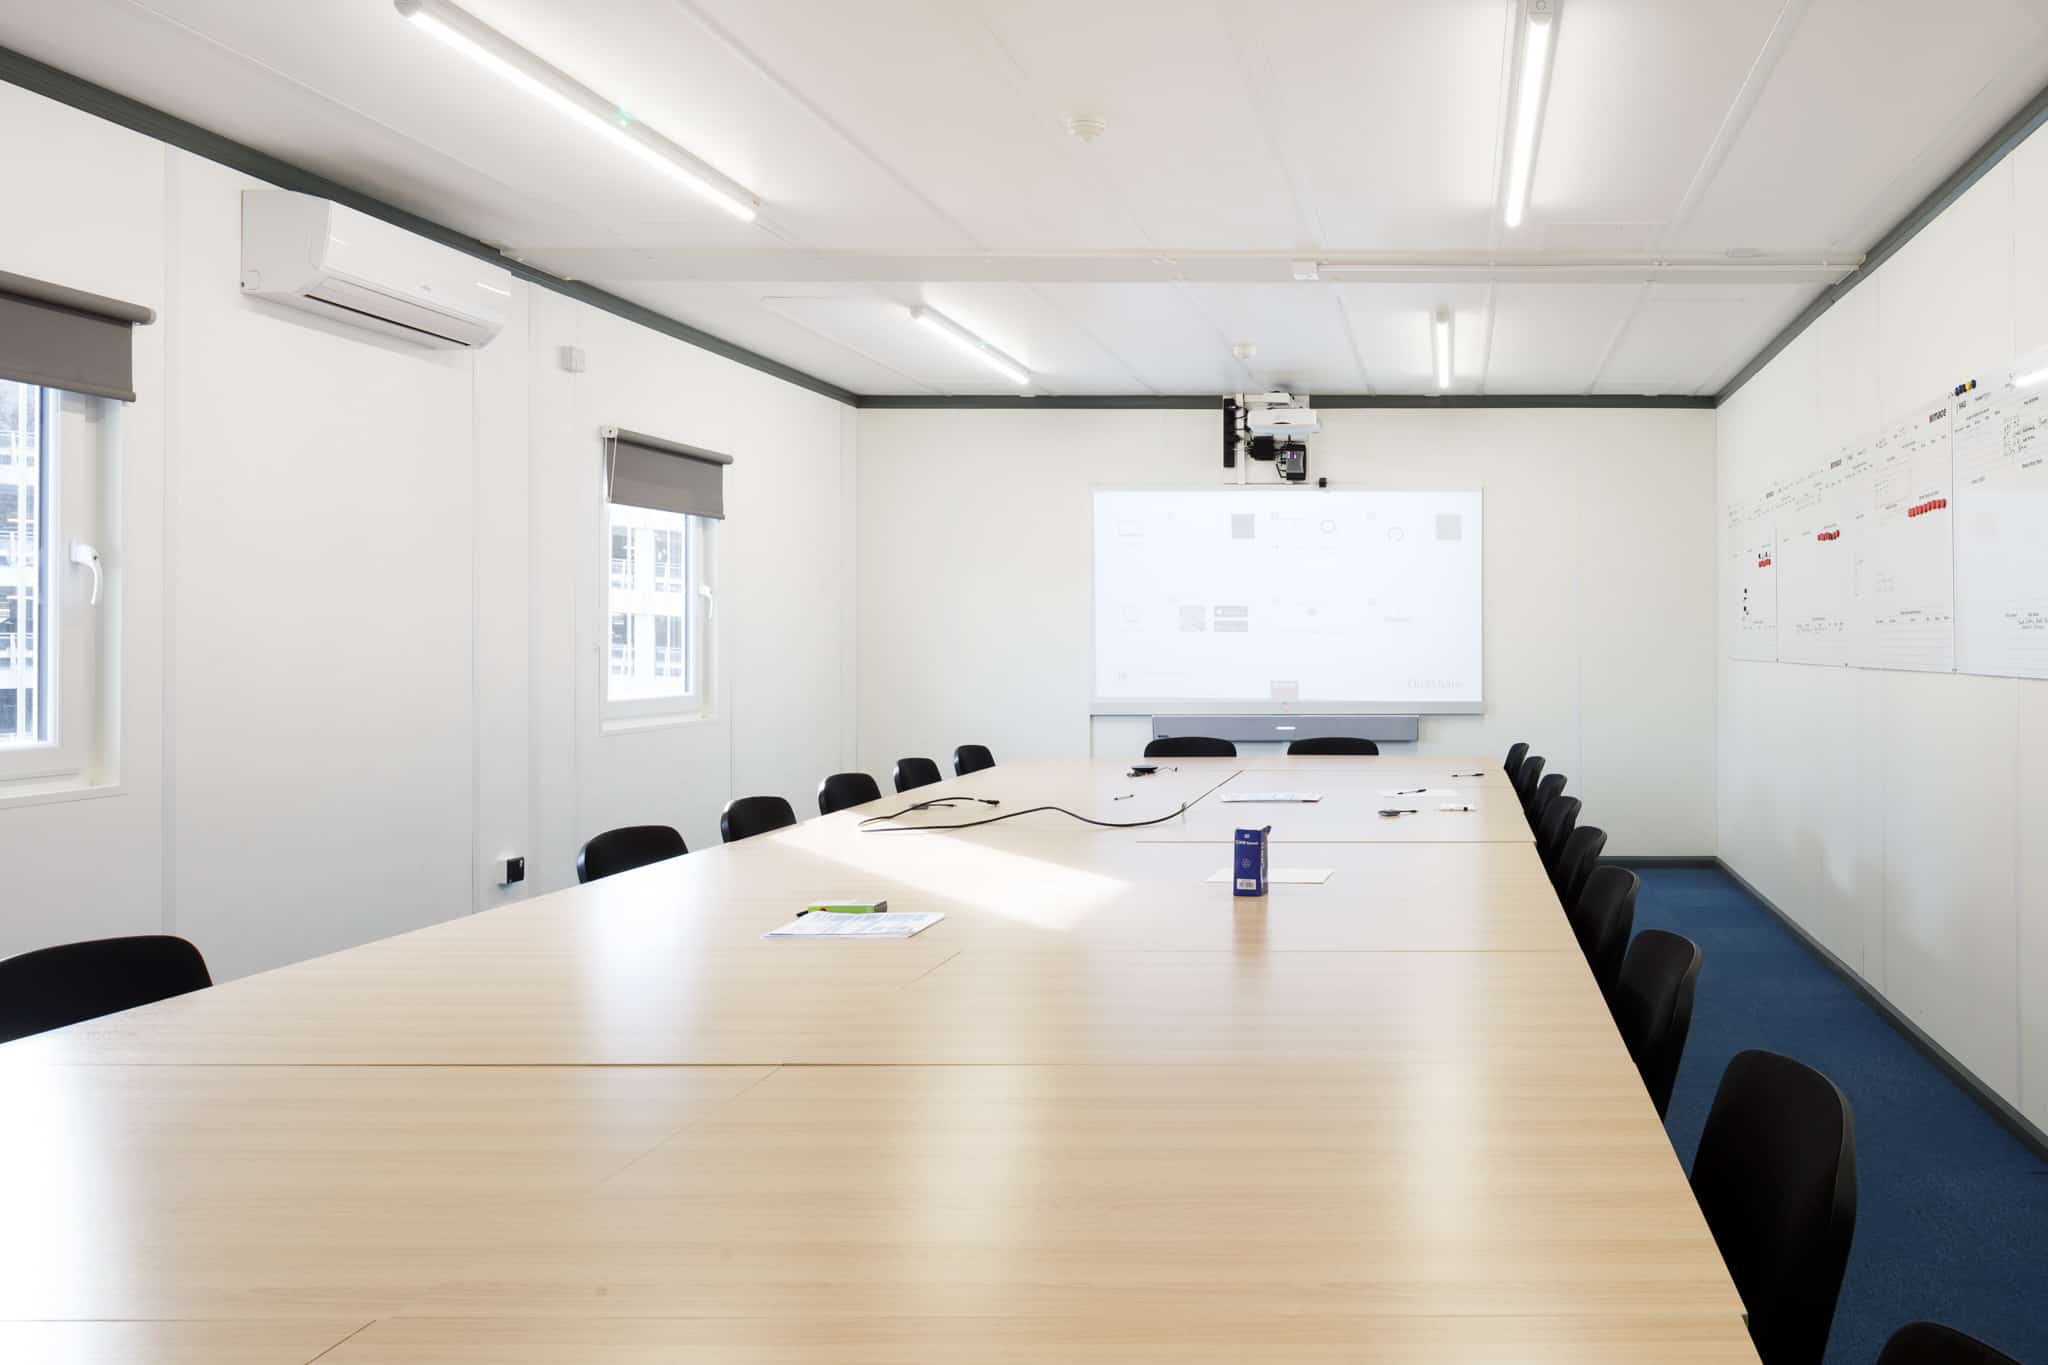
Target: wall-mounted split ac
(311,253)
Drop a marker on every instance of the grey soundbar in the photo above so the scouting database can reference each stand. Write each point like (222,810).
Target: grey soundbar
(1281,729)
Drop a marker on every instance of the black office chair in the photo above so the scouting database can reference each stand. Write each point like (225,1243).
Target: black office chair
(1335,745)
(972,758)
(911,773)
(746,816)
(1548,790)
(1190,746)
(625,848)
(1776,1179)
(1526,778)
(841,790)
(1601,920)
(1929,1343)
(68,984)
(1560,818)
(1653,1007)
(1581,855)
(1516,753)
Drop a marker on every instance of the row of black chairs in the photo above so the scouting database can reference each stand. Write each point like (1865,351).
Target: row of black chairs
(1202,746)
(631,846)
(1775,1175)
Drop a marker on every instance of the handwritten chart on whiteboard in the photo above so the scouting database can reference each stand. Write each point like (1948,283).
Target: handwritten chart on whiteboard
(1924,547)
(1817,543)
(1906,575)
(1753,600)
(1999,443)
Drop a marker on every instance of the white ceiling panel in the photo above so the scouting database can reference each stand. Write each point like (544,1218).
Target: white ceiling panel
(1638,90)
(901,147)
(1850,131)
(1396,332)
(1682,335)
(1388,112)
(1301,331)
(1551,338)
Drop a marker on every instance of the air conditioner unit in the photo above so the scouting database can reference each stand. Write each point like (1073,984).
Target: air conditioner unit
(311,253)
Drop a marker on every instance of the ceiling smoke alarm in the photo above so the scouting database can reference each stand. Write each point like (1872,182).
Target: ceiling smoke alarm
(1087,127)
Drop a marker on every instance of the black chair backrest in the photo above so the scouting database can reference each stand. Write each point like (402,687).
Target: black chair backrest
(1601,919)
(1190,746)
(51,987)
(1581,855)
(625,848)
(911,773)
(1547,791)
(1653,1006)
(841,790)
(746,816)
(1560,818)
(1929,1343)
(972,758)
(1776,1179)
(1334,745)
(1526,778)
(1516,753)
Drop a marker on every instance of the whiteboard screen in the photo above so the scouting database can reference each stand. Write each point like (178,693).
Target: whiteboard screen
(1259,599)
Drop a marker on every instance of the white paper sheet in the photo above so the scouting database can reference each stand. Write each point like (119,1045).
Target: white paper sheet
(1279,876)
(825,924)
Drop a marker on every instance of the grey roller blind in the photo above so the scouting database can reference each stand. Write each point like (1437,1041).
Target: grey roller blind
(66,338)
(668,476)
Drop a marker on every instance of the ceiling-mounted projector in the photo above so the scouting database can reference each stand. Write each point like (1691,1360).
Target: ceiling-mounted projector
(1283,421)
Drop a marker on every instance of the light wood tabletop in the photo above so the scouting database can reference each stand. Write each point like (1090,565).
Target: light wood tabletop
(1104,1111)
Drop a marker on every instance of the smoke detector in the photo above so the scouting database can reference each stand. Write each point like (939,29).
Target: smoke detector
(1087,127)
(1244,350)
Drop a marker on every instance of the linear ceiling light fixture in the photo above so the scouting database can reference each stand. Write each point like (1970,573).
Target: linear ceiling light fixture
(489,48)
(2031,378)
(1539,40)
(1442,324)
(972,344)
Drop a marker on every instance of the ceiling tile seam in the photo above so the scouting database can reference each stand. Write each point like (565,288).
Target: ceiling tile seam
(1486,350)
(1060,309)
(2001,144)
(1043,114)
(762,68)
(1255,85)
(1351,338)
(846,346)
(1873,208)
(1193,303)
(567,208)
(1628,319)
(97,101)
(1747,96)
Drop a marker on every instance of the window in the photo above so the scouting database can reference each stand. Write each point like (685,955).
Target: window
(23,677)
(658,611)
(50,630)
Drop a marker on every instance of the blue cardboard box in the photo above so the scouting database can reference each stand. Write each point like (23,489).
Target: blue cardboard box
(1248,877)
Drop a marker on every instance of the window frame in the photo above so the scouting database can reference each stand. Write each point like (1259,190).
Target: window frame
(73,469)
(692,600)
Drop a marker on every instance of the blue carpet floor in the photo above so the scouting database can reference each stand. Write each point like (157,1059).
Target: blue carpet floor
(1952,1214)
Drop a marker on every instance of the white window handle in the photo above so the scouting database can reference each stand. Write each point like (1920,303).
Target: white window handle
(710,602)
(82,553)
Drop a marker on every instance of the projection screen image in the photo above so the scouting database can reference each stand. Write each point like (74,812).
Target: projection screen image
(1247,599)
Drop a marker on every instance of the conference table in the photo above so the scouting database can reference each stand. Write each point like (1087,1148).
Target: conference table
(1103,1111)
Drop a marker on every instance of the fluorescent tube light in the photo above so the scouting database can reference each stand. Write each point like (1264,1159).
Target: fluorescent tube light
(1539,32)
(492,49)
(2030,378)
(1443,348)
(972,344)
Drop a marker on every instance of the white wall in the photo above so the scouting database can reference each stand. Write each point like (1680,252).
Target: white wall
(975,592)
(1897,816)
(360,590)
